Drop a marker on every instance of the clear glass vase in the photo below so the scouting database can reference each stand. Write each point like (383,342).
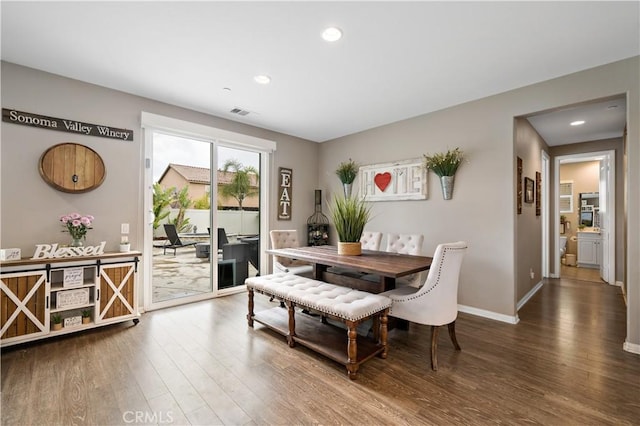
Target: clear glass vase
(77,242)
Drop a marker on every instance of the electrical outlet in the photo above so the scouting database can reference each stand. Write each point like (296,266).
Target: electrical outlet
(533,275)
(124,228)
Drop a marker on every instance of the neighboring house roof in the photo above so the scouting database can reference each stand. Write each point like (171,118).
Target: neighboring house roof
(201,175)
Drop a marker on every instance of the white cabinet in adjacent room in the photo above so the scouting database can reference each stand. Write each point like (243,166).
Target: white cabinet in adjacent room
(589,249)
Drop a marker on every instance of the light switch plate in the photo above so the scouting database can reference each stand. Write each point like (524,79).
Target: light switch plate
(124,228)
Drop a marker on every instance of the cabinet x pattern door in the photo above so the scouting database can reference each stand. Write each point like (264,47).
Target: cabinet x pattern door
(116,298)
(23,304)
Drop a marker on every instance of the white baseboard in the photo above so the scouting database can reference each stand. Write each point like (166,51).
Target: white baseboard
(489,314)
(529,295)
(631,347)
(619,284)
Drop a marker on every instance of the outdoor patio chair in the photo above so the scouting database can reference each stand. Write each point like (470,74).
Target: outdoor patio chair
(174,240)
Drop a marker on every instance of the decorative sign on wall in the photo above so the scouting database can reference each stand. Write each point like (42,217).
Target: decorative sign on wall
(285,193)
(65,125)
(401,180)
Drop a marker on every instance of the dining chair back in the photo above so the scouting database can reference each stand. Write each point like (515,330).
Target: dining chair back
(288,238)
(371,240)
(407,244)
(436,302)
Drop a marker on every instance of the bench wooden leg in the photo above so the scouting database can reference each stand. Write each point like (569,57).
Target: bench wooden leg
(384,319)
(292,324)
(250,315)
(352,349)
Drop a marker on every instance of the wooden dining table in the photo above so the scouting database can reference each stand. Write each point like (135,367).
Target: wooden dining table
(372,271)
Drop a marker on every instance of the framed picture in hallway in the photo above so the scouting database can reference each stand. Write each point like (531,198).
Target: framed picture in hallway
(538,192)
(529,190)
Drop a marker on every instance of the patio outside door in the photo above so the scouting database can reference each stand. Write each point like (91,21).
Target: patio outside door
(205,219)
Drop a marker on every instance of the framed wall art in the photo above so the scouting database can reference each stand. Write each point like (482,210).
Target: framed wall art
(529,190)
(519,186)
(538,192)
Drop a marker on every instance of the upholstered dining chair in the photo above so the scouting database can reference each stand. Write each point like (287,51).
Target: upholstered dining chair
(371,240)
(407,244)
(403,244)
(436,302)
(288,238)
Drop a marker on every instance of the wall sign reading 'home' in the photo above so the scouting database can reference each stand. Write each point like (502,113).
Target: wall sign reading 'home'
(401,180)
(285,193)
(65,125)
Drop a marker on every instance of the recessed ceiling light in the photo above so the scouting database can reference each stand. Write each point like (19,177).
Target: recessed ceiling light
(262,79)
(332,34)
(577,123)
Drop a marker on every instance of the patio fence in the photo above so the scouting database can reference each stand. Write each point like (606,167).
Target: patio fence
(233,221)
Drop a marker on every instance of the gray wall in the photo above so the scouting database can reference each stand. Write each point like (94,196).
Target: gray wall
(481,212)
(31,208)
(529,145)
(483,209)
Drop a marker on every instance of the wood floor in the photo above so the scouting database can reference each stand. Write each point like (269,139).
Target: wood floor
(563,364)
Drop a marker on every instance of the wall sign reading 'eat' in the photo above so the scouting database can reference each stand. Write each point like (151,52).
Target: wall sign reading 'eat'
(401,180)
(285,193)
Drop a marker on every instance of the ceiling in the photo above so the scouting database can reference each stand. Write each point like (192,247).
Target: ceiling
(395,60)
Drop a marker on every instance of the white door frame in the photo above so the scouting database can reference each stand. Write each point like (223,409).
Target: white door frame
(156,123)
(611,206)
(546,173)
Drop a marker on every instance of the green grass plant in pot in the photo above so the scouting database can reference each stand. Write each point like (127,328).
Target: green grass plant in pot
(445,166)
(349,215)
(347,172)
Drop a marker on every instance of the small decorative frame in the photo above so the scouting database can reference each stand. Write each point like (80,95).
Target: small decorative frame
(529,190)
(519,186)
(538,192)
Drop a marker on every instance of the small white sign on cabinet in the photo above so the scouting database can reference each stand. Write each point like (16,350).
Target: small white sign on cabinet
(73,277)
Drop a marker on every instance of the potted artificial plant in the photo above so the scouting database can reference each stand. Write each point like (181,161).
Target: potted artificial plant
(86,316)
(347,172)
(56,320)
(350,215)
(445,166)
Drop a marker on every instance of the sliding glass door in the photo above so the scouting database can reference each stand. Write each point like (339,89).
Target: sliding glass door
(205,223)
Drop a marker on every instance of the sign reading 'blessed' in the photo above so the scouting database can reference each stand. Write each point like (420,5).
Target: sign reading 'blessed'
(64,125)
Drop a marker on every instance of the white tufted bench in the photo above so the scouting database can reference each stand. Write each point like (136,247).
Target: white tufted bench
(344,304)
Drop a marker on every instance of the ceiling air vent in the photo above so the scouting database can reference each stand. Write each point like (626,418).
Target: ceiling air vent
(239,111)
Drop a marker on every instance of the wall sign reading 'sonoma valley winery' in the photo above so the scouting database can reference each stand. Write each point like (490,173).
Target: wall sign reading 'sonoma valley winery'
(64,125)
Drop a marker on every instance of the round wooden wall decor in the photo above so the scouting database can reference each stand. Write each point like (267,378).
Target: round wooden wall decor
(71,167)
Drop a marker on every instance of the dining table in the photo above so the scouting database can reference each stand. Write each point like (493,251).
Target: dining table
(372,271)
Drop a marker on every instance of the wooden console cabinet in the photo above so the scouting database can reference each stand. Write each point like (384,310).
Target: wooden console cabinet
(33,291)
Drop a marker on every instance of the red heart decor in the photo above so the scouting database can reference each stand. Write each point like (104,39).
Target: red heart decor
(382,180)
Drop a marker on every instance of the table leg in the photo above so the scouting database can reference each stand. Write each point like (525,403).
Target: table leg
(318,271)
